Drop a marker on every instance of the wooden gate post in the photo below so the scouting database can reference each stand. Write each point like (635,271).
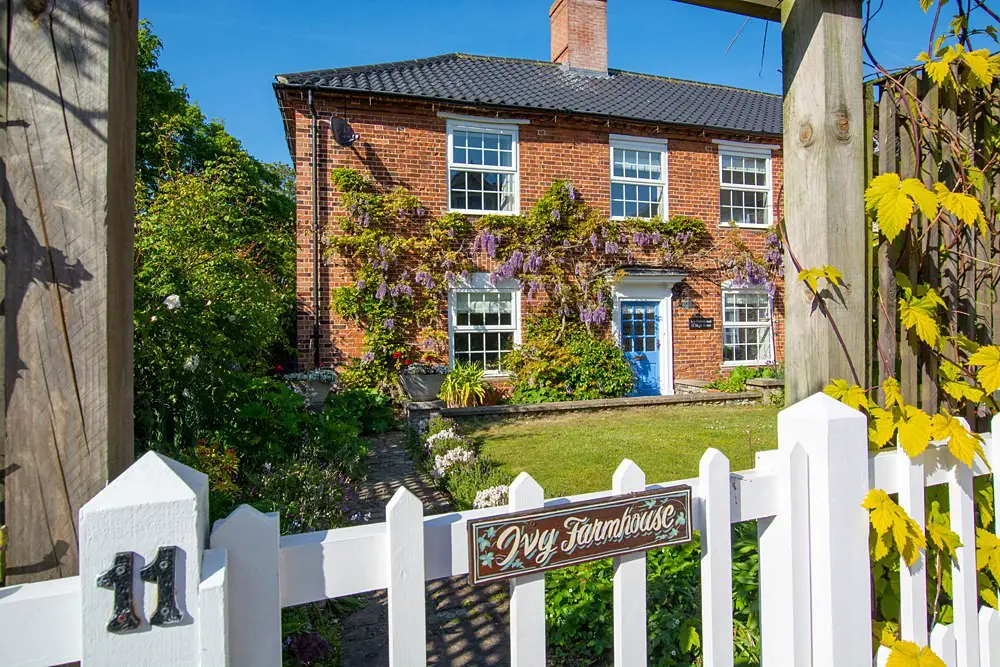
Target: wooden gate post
(67,164)
(147,597)
(824,132)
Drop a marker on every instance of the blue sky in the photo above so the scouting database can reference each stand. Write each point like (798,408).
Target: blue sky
(228,51)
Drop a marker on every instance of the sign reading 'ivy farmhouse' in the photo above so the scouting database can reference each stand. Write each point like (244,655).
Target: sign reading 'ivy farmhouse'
(512,545)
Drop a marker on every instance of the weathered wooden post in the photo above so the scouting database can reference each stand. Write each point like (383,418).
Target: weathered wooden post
(824,191)
(67,154)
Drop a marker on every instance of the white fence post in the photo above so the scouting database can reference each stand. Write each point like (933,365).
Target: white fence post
(912,578)
(716,560)
(835,438)
(964,585)
(943,644)
(785,624)
(250,539)
(989,637)
(404,527)
(527,593)
(214,624)
(141,544)
(629,582)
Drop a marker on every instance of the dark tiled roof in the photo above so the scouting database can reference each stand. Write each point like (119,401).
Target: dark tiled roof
(533,84)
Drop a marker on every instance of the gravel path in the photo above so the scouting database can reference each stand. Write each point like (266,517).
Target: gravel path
(465,625)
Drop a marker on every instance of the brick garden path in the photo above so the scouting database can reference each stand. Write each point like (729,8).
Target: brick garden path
(466,626)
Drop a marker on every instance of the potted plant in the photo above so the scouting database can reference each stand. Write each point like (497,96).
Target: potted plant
(314,385)
(464,386)
(422,381)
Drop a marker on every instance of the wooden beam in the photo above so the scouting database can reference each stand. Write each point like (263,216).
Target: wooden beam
(68,153)
(824,187)
(769,10)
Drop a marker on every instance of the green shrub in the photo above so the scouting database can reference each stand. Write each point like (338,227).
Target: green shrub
(566,364)
(372,409)
(464,386)
(738,376)
(437,423)
(308,496)
(578,606)
(464,482)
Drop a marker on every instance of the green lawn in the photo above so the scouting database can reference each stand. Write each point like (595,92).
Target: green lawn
(576,453)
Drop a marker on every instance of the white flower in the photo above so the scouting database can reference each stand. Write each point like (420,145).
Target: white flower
(231,318)
(191,363)
(453,457)
(495,496)
(172,302)
(153,318)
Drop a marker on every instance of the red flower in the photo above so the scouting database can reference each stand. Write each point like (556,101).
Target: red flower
(396,355)
(279,368)
(407,362)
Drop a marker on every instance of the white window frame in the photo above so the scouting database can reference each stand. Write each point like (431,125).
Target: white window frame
(490,127)
(727,289)
(736,149)
(624,142)
(476,283)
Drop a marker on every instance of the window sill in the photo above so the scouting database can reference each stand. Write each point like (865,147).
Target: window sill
(735,364)
(743,225)
(465,211)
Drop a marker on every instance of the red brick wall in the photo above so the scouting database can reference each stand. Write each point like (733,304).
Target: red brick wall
(578,33)
(404,143)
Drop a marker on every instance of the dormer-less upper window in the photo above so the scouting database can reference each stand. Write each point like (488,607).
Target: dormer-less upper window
(482,168)
(744,185)
(638,177)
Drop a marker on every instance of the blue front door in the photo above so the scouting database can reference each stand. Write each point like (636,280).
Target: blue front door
(640,334)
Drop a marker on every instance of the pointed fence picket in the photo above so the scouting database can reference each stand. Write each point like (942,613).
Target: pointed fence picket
(629,583)
(527,593)
(232,583)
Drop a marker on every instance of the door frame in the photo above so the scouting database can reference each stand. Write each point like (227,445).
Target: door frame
(650,288)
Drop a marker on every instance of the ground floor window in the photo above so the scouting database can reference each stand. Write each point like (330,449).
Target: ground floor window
(746,327)
(483,326)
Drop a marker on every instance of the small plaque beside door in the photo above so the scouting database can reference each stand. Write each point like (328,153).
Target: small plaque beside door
(701,323)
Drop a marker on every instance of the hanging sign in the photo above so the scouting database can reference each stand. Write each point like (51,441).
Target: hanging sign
(512,545)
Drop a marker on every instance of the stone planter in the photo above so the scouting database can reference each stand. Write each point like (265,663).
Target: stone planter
(422,387)
(313,391)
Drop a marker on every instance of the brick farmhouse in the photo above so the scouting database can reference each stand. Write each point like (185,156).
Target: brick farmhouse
(488,135)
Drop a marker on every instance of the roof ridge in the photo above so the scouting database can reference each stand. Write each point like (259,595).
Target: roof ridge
(455,55)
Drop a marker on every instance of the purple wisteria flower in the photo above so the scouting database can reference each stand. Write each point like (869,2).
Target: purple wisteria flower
(367,357)
(381,291)
(389,324)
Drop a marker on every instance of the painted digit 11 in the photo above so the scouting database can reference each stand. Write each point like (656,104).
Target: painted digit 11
(162,571)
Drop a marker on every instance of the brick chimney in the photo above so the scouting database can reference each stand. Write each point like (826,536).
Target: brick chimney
(579,34)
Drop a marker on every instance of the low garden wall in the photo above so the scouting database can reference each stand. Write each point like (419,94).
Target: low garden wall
(419,413)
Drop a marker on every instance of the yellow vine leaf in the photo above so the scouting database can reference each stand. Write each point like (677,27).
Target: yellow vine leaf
(920,314)
(892,200)
(940,70)
(893,526)
(964,207)
(962,443)
(988,552)
(850,395)
(893,394)
(882,426)
(926,5)
(914,428)
(979,67)
(961,391)
(989,595)
(939,531)
(988,357)
(908,654)
(812,276)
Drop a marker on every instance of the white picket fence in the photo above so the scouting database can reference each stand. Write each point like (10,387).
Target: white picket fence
(232,582)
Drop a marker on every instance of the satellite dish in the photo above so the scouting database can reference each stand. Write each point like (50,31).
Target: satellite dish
(343,132)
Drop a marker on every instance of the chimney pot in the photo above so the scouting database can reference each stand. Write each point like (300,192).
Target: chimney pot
(579,34)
